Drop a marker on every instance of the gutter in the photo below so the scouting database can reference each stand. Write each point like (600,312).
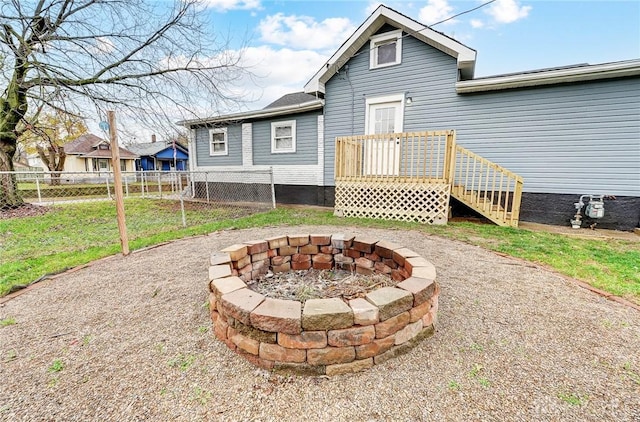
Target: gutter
(256,114)
(549,77)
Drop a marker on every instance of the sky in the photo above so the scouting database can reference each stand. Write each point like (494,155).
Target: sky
(288,41)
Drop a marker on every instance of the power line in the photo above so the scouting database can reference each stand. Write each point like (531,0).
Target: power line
(461,13)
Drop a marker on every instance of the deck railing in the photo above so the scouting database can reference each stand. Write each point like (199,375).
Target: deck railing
(409,156)
(485,186)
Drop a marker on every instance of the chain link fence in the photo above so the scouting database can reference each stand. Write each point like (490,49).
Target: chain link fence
(188,198)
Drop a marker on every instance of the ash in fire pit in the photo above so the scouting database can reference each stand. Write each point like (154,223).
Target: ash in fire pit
(321,304)
(318,284)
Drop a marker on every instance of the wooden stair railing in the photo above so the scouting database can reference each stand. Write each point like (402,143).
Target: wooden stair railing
(484,186)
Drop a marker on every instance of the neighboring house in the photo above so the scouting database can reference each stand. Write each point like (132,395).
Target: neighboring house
(160,156)
(566,131)
(89,153)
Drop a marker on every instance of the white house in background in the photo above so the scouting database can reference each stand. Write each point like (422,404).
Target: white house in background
(90,153)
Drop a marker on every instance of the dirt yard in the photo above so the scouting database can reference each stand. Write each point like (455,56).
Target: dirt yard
(129,338)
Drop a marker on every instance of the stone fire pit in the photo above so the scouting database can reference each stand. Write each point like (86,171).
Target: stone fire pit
(323,336)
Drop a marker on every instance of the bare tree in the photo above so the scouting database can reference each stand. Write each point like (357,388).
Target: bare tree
(154,61)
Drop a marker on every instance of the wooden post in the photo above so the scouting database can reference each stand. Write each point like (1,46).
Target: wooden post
(117,182)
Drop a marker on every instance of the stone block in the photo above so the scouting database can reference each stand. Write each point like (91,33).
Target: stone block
(363,244)
(219,258)
(298,240)
(385,249)
(381,268)
(272,253)
(258,265)
(254,333)
(259,256)
(240,303)
(281,268)
(222,286)
(299,257)
(341,240)
(247,344)
(236,252)
(331,355)
(304,340)
(309,249)
(364,313)
(347,368)
(363,262)
(364,271)
(345,266)
(342,258)
(323,258)
(219,271)
(245,270)
(220,329)
(256,246)
(298,266)
(410,331)
(390,301)
(256,360)
(278,353)
(376,347)
(322,265)
(290,368)
(278,315)
(426,271)
(277,242)
(421,288)
(399,274)
(287,250)
(352,253)
(419,311)
(242,262)
(392,325)
(329,249)
(354,336)
(399,255)
(279,260)
(320,239)
(372,257)
(390,263)
(404,347)
(326,314)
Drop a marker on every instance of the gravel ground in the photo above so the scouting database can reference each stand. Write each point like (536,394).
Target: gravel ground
(128,339)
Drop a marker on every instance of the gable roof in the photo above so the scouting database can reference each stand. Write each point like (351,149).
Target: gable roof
(297,102)
(383,15)
(85,146)
(152,148)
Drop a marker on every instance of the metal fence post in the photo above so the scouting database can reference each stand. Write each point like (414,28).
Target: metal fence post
(273,189)
(38,189)
(106,178)
(184,217)
(206,184)
(160,185)
(126,185)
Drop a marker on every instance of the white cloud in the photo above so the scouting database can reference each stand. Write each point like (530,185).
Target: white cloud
(277,71)
(304,32)
(507,11)
(223,5)
(435,11)
(372,6)
(477,23)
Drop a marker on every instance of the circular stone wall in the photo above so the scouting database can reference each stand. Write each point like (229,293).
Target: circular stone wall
(326,336)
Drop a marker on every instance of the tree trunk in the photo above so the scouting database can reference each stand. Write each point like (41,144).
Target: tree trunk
(9,195)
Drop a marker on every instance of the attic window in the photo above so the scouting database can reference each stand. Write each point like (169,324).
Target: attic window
(103,146)
(385,49)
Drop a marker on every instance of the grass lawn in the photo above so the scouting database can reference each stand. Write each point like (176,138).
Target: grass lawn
(75,234)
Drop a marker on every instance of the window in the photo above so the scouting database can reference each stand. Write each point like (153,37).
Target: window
(385,49)
(218,141)
(123,165)
(283,137)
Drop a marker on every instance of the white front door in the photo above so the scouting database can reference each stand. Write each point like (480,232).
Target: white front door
(382,155)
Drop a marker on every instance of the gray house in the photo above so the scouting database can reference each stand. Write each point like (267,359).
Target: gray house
(559,133)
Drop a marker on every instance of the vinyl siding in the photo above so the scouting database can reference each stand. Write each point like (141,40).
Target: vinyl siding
(234,147)
(577,138)
(306,141)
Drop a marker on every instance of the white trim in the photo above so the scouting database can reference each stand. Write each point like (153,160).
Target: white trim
(217,130)
(553,76)
(283,123)
(381,39)
(321,150)
(282,174)
(257,114)
(193,156)
(466,56)
(394,98)
(247,144)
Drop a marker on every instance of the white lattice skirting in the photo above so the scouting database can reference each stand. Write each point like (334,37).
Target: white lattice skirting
(420,202)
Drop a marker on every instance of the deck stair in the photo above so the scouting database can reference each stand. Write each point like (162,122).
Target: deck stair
(410,176)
